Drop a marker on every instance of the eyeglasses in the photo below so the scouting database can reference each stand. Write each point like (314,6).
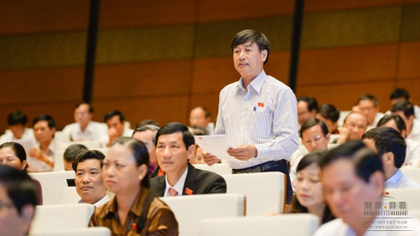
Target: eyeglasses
(315,139)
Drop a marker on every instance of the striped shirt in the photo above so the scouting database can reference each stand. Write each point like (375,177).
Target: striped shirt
(265,116)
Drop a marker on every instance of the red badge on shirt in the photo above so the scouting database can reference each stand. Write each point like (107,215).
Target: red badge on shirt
(134,226)
(188,191)
(386,193)
(260,104)
(161,172)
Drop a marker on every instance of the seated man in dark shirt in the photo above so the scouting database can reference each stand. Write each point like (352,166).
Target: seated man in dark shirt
(174,147)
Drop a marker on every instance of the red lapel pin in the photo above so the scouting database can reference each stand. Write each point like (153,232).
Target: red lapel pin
(188,191)
(260,104)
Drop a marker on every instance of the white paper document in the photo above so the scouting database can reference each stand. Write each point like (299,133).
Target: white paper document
(216,145)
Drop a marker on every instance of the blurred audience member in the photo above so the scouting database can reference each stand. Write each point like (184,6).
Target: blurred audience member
(84,128)
(201,117)
(306,108)
(71,153)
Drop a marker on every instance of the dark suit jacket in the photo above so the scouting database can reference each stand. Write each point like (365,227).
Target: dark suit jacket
(198,181)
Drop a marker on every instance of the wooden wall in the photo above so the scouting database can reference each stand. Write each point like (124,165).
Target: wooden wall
(158,59)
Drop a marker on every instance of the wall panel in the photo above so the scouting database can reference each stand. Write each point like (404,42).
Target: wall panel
(351,64)
(154,79)
(409,60)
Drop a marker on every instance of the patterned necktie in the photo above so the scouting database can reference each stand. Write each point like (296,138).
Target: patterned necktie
(172,192)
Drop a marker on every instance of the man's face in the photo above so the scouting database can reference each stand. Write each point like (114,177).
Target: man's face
(407,120)
(8,157)
(313,139)
(82,115)
(198,118)
(172,154)
(303,113)
(345,193)
(248,60)
(357,124)
(368,108)
(329,123)
(43,133)
(11,223)
(89,184)
(17,130)
(116,124)
(147,138)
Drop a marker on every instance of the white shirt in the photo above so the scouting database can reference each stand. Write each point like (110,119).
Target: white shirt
(378,116)
(210,127)
(94,131)
(412,157)
(28,134)
(338,228)
(294,161)
(399,180)
(415,131)
(99,203)
(36,165)
(265,116)
(179,186)
(105,139)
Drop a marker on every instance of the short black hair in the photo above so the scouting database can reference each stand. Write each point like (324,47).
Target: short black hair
(365,160)
(329,111)
(311,101)
(81,103)
(16,118)
(147,122)
(397,119)
(388,140)
(47,118)
(311,123)
(399,93)
(17,148)
(140,153)
(174,127)
(197,130)
(20,187)
(404,106)
(369,97)
(113,113)
(93,154)
(252,36)
(73,150)
(143,128)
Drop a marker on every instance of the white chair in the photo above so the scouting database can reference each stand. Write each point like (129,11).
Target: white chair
(288,224)
(92,231)
(412,172)
(59,160)
(409,197)
(61,217)
(189,210)
(265,192)
(52,183)
(69,195)
(219,168)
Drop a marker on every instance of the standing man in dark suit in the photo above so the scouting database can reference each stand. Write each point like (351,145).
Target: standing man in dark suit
(174,147)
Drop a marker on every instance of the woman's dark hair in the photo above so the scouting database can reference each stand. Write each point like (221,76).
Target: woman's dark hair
(139,152)
(307,160)
(19,186)
(18,149)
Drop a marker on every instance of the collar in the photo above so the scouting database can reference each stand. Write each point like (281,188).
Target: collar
(136,208)
(394,178)
(256,84)
(179,186)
